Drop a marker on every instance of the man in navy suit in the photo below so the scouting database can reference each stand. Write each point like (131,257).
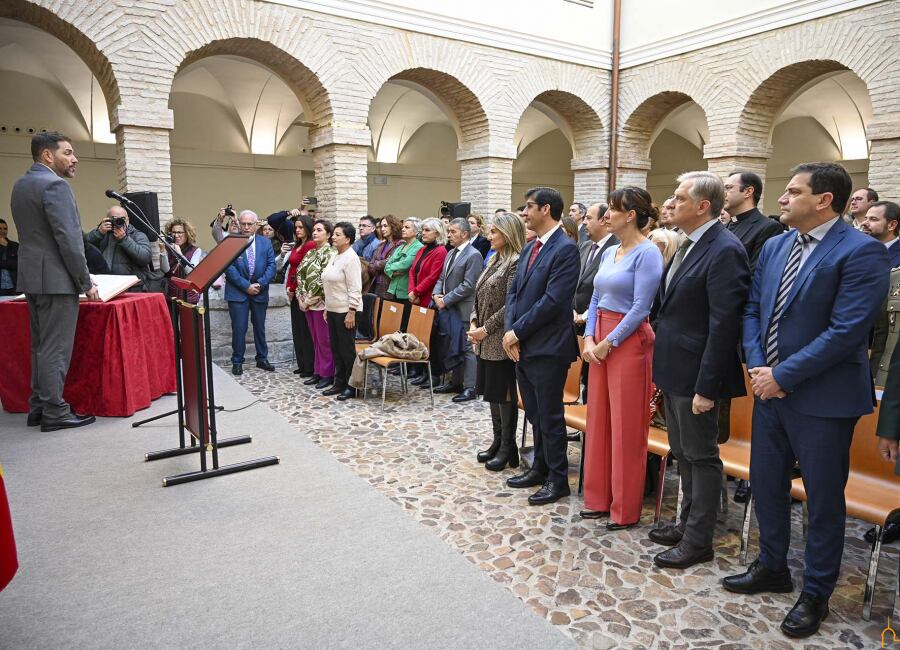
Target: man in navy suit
(247,292)
(697,317)
(815,294)
(540,337)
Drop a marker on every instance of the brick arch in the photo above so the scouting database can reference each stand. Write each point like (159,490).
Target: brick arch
(461,104)
(69,32)
(583,127)
(457,75)
(757,117)
(636,135)
(300,79)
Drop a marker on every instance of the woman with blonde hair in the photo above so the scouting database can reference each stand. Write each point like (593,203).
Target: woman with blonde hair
(183,237)
(496,372)
(666,241)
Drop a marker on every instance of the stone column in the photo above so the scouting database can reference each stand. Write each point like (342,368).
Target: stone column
(884,158)
(724,159)
(591,181)
(342,181)
(143,163)
(486,183)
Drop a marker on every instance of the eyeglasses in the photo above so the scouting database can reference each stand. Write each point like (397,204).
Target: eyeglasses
(528,204)
(177,232)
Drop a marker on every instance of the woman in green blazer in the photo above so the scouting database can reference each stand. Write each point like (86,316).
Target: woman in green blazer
(397,267)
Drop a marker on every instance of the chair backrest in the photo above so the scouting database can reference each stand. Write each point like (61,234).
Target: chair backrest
(421,319)
(864,456)
(741,419)
(391,317)
(374,315)
(572,389)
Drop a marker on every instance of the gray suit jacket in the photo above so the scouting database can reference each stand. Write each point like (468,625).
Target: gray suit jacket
(51,244)
(457,283)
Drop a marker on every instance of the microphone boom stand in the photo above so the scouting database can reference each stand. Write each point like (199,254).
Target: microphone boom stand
(133,209)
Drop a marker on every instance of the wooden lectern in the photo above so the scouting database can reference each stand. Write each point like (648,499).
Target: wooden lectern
(193,357)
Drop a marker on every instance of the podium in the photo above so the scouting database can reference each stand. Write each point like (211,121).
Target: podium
(194,373)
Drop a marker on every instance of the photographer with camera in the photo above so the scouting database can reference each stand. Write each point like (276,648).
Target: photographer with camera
(225,223)
(125,248)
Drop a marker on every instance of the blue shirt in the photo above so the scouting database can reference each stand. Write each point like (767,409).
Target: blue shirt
(627,287)
(364,247)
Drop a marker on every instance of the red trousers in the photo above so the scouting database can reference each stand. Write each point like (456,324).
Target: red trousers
(618,423)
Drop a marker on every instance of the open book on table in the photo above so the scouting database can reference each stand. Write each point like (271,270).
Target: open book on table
(109,286)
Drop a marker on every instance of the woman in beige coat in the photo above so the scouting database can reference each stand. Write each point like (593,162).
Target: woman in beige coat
(496,378)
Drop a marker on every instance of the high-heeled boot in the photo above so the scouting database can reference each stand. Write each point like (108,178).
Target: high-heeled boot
(490,452)
(508,454)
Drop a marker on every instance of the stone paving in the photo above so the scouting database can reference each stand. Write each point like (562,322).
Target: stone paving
(601,588)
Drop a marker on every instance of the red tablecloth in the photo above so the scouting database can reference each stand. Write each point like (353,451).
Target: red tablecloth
(123,358)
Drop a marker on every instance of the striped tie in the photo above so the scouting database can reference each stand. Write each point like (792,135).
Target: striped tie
(787,282)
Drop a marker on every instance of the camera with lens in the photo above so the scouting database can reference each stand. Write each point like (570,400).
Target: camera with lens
(117,222)
(229,211)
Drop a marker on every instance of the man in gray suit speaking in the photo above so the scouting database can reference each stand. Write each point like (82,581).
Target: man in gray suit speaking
(455,291)
(52,272)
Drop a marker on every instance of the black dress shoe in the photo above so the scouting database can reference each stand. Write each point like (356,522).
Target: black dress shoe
(683,555)
(611,525)
(69,422)
(466,396)
(325,382)
(446,389)
(758,578)
(349,393)
(315,379)
(891,529)
(593,514)
(805,616)
(667,535)
(334,390)
(237,369)
(34,418)
(549,493)
(742,492)
(529,479)
(420,381)
(265,365)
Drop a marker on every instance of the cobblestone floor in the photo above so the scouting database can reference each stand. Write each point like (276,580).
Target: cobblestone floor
(601,588)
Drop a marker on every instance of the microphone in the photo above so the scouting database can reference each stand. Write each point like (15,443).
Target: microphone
(118,197)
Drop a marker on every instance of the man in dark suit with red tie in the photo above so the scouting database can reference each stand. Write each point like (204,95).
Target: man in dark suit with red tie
(540,337)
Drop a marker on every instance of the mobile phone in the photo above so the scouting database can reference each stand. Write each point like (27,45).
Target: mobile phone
(310,200)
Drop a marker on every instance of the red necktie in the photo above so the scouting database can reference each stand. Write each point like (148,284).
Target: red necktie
(534,254)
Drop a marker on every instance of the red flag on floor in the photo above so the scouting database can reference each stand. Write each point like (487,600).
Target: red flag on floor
(8,562)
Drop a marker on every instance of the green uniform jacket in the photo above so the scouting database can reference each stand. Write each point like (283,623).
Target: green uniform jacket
(397,268)
(889,416)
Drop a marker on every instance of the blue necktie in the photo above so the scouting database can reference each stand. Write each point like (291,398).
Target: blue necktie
(791,269)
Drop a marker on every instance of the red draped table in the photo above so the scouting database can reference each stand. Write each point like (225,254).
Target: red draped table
(123,359)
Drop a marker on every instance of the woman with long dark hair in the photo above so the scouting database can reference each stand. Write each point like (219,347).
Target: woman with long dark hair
(618,345)
(303,343)
(389,228)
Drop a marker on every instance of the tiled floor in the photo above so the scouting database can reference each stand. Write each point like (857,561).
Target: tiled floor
(601,588)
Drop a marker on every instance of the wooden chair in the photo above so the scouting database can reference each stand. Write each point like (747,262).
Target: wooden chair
(576,418)
(872,494)
(735,453)
(420,324)
(658,445)
(571,392)
(381,328)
